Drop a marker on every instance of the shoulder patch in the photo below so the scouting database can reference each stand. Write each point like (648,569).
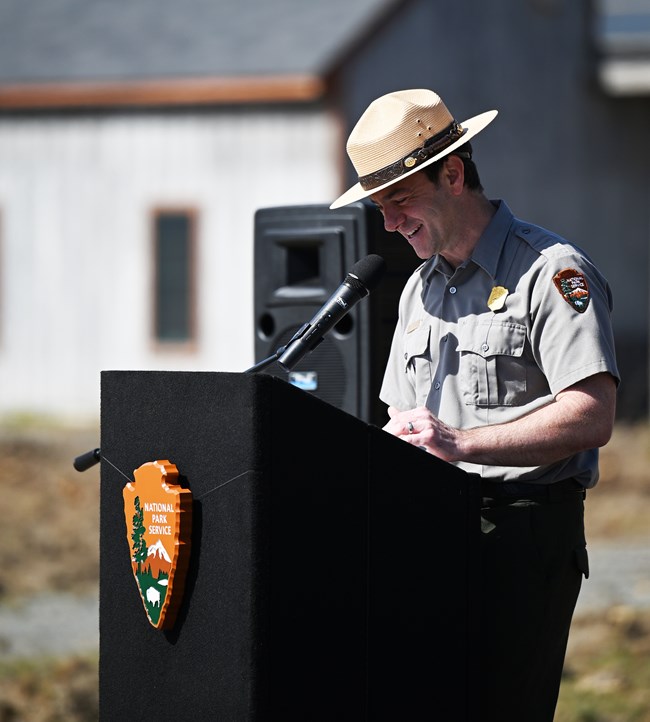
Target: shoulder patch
(573,288)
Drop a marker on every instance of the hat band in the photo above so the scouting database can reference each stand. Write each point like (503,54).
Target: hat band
(430,148)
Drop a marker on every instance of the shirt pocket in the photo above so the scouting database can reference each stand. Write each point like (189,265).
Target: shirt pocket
(417,362)
(492,364)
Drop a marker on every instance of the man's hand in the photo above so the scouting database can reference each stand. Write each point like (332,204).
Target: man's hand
(581,417)
(421,428)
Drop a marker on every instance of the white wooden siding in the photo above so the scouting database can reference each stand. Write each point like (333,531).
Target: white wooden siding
(76,194)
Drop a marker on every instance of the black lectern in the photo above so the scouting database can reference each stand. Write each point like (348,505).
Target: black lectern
(332,568)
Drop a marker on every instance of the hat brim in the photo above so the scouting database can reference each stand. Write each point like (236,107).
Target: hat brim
(472,127)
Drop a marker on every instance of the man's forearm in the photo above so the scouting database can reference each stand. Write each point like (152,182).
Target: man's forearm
(580,418)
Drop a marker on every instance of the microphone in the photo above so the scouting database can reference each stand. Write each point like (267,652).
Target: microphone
(362,278)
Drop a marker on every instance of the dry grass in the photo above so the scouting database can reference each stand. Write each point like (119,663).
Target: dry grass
(619,506)
(607,674)
(49,541)
(49,535)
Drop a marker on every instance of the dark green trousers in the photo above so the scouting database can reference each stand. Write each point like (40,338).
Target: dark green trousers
(533,558)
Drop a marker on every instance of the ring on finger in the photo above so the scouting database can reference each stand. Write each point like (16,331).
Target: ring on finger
(410,427)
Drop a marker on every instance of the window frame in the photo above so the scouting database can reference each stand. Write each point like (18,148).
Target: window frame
(192,215)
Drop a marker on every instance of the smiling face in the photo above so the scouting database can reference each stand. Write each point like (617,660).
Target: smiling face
(443,217)
(412,207)
(425,212)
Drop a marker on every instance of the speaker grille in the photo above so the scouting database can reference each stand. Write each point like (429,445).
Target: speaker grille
(324,364)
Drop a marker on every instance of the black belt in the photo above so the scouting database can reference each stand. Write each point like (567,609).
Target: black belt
(511,491)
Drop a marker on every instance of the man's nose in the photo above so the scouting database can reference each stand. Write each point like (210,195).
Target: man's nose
(392,219)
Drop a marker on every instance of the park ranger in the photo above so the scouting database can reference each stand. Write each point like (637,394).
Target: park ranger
(503,364)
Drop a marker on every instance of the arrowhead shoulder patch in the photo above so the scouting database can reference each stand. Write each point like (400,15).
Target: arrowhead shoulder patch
(573,288)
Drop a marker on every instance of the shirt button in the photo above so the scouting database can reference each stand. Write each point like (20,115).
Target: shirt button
(452,289)
(406,356)
(436,386)
(484,347)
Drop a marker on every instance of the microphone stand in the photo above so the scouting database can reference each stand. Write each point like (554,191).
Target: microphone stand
(260,365)
(280,352)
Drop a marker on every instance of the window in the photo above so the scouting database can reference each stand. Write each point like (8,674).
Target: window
(174,276)
(622,38)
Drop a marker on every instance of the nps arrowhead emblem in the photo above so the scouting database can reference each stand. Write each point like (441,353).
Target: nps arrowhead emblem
(158,514)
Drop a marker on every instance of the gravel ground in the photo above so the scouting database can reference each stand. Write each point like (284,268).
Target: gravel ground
(52,624)
(619,576)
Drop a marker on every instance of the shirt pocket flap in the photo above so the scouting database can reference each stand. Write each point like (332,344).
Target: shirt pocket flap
(416,344)
(492,339)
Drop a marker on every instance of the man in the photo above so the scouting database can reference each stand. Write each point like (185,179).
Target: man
(503,364)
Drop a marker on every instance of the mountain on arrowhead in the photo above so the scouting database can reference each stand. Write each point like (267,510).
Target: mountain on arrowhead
(158,550)
(158,560)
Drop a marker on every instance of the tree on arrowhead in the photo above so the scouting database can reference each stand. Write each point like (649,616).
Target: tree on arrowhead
(137,536)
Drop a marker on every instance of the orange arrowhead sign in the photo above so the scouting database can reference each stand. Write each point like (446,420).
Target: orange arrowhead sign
(158,514)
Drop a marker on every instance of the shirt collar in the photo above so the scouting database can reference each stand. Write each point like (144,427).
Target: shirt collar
(490,244)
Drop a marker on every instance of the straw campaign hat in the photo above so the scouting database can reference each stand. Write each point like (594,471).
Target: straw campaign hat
(399,134)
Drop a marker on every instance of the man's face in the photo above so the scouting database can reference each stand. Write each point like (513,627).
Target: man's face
(419,210)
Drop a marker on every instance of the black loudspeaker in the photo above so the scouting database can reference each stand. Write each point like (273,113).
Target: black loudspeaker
(302,255)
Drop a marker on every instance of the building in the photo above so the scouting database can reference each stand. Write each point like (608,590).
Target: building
(137,141)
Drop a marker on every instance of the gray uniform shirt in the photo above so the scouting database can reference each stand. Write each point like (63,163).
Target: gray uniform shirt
(527,316)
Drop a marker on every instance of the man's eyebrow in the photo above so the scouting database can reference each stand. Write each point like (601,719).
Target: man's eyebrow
(403,190)
(389,196)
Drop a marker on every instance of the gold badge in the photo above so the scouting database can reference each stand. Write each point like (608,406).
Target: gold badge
(410,161)
(497,299)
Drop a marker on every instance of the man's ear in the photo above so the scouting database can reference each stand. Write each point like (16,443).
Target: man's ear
(454,173)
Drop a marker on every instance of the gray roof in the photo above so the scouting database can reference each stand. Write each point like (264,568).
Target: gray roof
(54,41)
